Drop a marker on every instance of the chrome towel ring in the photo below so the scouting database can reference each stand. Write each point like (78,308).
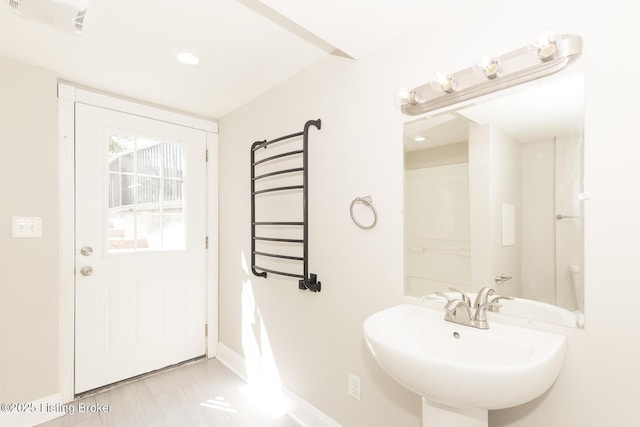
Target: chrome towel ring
(367,201)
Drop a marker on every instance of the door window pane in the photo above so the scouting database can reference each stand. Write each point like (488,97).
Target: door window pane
(127,162)
(173,155)
(126,189)
(149,229)
(150,157)
(172,190)
(147,190)
(173,232)
(145,199)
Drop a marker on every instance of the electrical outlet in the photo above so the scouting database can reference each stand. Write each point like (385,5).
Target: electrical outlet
(354,386)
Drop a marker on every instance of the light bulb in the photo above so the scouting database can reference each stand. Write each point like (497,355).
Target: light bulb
(489,66)
(445,82)
(406,97)
(546,46)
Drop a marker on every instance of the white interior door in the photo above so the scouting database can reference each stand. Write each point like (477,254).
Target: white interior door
(140,245)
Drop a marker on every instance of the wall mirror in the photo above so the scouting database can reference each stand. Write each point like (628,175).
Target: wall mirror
(494,196)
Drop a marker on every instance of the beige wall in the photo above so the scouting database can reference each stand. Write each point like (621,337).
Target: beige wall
(29,268)
(316,339)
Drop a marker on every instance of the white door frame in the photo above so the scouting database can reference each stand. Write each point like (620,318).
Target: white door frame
(68,96)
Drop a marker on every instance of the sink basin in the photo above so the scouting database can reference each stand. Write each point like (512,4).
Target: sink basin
(461,366)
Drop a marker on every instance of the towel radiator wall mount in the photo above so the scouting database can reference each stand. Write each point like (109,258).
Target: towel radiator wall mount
(307,281)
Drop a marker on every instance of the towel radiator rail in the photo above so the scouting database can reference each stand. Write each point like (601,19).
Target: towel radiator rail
(307,281)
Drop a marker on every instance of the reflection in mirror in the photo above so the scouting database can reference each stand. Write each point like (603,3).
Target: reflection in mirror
(493,197)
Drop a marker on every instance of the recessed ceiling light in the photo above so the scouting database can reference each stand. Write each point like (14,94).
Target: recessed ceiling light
(188,58)
(419,139)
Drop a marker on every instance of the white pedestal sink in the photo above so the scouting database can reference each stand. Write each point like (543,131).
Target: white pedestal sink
(462,372)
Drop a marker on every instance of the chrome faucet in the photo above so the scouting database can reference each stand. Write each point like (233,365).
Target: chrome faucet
(464,296)
(483,296)
(480,319)
(459,310)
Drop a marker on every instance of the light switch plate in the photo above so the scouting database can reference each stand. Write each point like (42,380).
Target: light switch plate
(26,227)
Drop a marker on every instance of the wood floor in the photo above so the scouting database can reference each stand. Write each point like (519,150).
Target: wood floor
(204,393)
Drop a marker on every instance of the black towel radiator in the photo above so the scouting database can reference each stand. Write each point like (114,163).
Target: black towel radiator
(307,281)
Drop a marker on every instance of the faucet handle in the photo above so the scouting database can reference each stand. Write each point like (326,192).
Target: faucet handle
(465,298)
(498,298)
(445,296)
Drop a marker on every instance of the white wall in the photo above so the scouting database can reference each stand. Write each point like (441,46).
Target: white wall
(494,179)
(551,183)
(436,241)
(316,339)
(568,231)
(481,204)
(538,221)
(29,268)
(505,189)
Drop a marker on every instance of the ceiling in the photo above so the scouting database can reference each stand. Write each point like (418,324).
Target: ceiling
(245,47)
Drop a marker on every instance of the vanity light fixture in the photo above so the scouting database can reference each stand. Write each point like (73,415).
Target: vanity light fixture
(551,54)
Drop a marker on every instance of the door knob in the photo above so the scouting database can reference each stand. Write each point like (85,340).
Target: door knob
(86,250)
(86,270)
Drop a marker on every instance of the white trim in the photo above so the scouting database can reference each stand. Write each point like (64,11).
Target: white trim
(212,252)
(232,360)
(306,414)
(84,96)
(38,412)
(66,152)
(299,409)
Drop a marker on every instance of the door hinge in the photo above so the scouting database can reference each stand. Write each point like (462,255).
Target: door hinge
(206,242)
(206,329)
(206,155)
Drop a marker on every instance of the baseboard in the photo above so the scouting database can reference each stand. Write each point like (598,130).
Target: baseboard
(299,409)
(306,414)
(34,413)
(232,360)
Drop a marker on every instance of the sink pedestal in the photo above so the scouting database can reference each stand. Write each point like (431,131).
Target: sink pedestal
(435,414)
